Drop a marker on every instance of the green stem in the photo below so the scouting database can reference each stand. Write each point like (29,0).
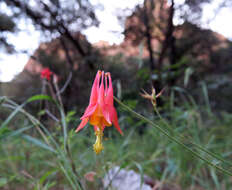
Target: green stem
(191,142)
(66,143)
(172,138)
(38,124)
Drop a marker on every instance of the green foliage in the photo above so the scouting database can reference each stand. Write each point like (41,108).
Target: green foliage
(41,160)
(46,153)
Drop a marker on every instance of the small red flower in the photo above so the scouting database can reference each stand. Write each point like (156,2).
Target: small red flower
(100,112)
(46,74)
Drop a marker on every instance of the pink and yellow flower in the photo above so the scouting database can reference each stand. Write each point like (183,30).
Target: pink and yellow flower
(100,112)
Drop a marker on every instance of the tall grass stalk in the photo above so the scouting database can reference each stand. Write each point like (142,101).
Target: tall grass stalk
(177,140)
(64,158)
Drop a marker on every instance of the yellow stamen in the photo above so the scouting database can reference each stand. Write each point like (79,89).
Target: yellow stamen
(98,146)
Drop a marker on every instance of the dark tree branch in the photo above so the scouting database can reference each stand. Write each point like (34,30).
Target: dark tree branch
(35,16)
(169,41)
(63,30)
(148,36)
(68,57)
(58,25)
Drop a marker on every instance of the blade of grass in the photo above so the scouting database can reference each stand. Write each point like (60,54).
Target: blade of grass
(191,142)
(40,97)
(38,143)
(68,177)
(15,133)
(62,156)
(11,116)
(196,154)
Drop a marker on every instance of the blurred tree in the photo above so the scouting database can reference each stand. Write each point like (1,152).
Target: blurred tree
(67,50)
(153,23)
(191,10)
(6,25)
(60,18)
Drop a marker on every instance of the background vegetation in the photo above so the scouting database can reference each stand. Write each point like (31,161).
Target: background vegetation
(38,146)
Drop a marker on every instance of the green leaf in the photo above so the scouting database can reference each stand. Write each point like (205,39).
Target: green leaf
(64,126)
(141,174)
(49,185)
(215,178)
(41,112)
(38,143)
(14,132)
(46,175)
(69,116)
(188,72)
(206,97)
(11,116)
(40,97)
(2,100)
(68,177)
(3,181)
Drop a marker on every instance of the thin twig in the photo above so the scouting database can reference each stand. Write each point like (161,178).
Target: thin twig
(51,115)
(65,84)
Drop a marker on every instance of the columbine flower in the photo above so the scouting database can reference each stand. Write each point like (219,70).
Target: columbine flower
(46,74)
(100,112)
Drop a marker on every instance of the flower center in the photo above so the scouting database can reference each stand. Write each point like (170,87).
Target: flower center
(97,119)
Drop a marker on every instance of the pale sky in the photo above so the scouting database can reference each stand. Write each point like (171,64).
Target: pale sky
(109,30)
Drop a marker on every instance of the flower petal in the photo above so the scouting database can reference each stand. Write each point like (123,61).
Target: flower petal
(115,120)
(109,99)
(106,114)
(95,89)
(101,101)
(101,92)
(82,124)
(89,111)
